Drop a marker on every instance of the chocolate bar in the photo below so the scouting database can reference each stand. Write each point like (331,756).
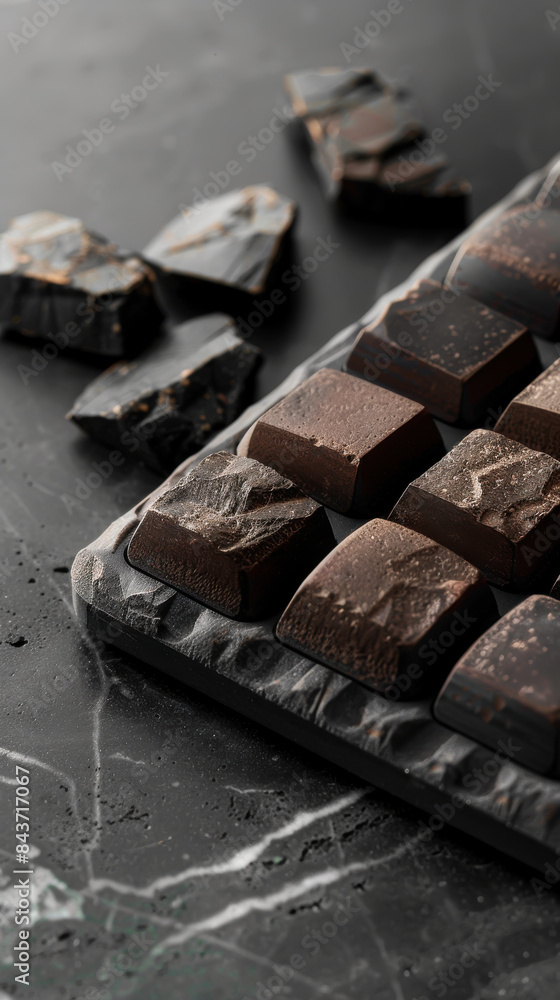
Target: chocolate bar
(348,444)
(61,282)
(533,417)
(389,608)
(505,691)
(233,534)
(448,351)
(513,265)
(192,382)
(494,502)
(228,242)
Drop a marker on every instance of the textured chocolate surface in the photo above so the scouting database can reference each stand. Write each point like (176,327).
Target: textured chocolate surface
(231,240)
(233,533)
(344,442)
(533,417)
(451,353)
(389,608)
(513,265)
(506,688)
(322,91)
(160,409)
(58,280)
(493,501)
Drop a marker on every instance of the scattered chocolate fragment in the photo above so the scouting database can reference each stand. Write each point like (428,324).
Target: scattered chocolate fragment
(533,417)
(165,406)
(494,502)
(390,608)
(366,146)
(61,282)
(456,356)
(344,442)
(232,240)
(513,265)
(505,691)
(233,534)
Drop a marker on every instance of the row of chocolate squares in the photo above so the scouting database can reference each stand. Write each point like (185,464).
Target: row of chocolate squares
(388,607)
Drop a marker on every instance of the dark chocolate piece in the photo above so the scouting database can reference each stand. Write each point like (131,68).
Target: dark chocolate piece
(494,502)
(513,265)
(345,442)
(234,534)
(390,608)
(59,281)
(194,381)
(232,240)
(533,417)
(451,353)
(505,691)
(365,141)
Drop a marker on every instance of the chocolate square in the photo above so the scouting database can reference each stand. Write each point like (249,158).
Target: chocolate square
(390,608)
(505,691)
(233,534)
(533,417)
(494,502)
(458,357)
(346,443)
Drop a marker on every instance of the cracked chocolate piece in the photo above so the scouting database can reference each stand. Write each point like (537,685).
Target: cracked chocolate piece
(533,417)
(60,282)
(494,502)
(505,691)
(344,442)
(234,535)
(453,354)
(370,150)
(390,608)
(165,406)
(513,265)
(232,240)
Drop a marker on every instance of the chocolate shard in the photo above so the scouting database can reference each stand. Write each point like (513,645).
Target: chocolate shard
(191,383)
(513,265)
(61,282)
(455,355)
(370,150)
(505,691)
(390,608)
(494,502)
(231,241)
(533,417)
(234,535)
(344,442)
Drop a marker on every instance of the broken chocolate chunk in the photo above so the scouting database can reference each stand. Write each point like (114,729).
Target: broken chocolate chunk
(505,691)
(232,241)
(61,282)
(513,265)
(494,502)
(456,356)
(195,380)
(533,417)
(371,151)
(390,608)
(344,442)
(234,535)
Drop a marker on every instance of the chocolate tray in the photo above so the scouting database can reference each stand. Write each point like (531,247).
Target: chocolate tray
(398,747)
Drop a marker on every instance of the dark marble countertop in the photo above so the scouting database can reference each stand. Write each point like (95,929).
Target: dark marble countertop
(179,851)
